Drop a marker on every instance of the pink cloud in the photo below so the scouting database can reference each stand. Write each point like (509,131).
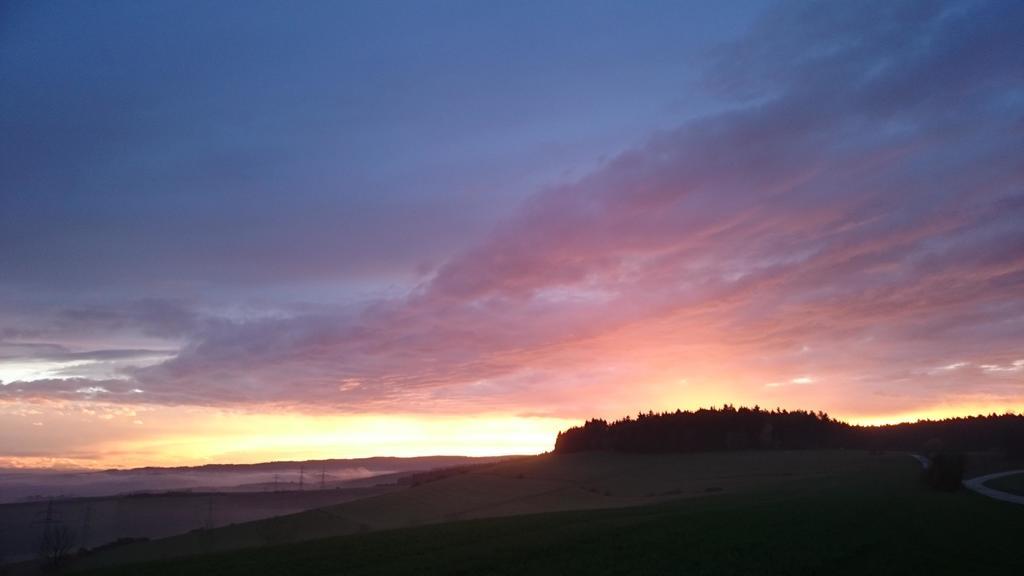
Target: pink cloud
(847,230)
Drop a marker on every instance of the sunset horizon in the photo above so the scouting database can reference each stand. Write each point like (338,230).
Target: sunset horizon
(367,436)
(537,287)
(346,218)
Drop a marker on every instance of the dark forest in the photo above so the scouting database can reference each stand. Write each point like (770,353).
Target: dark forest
(730,428)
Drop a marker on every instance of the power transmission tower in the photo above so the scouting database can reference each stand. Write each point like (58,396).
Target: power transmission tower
(323,476)
(56,540)
(209,512)
(50,519)
(86,525)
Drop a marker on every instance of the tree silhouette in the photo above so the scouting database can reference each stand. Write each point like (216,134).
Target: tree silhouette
(56,543)
(730,428)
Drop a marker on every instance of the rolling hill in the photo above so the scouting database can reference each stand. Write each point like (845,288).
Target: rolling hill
(766,513)
(529,485)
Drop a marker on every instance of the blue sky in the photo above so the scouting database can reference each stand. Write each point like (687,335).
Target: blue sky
(315,133)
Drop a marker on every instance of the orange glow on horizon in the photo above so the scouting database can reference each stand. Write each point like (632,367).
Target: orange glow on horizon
(194,436)
(936,413)
(112,436)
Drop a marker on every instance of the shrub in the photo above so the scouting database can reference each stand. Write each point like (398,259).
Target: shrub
(946,471)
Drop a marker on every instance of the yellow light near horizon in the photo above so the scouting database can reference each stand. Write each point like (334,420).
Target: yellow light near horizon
(97,435)
(178,437)
(374,435)
(934,413)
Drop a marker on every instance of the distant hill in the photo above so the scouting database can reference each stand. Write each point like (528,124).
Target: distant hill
(392,463)
(17,485)
(730,428)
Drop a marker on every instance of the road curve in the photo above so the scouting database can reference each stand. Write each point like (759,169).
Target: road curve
(978,485)
(924,462)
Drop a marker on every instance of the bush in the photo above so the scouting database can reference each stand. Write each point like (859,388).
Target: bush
(945,471)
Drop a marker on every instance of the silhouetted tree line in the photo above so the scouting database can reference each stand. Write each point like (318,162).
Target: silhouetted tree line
(730,428)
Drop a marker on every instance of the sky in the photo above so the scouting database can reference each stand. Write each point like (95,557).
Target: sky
(245,231)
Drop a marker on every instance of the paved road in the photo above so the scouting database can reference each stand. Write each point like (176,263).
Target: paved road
(978,485)
(925,462)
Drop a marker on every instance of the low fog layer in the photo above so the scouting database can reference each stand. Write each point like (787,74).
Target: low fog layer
(22,485)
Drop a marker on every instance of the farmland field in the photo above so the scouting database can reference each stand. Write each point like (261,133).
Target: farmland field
(650,502)
(847,514)
(531,485)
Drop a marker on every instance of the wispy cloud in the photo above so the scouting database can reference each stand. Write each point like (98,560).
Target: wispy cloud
(852,215)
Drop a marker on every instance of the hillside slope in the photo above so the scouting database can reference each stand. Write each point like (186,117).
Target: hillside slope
(872,519)
(525,486)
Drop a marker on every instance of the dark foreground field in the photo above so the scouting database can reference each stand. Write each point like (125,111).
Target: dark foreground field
(1013,484)
(872,519)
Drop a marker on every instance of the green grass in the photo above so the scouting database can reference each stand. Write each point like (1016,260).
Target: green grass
(522,486)
(870,520)
(1013,484)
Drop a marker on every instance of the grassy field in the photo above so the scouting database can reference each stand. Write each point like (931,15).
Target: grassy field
(873,518)
(1013,484)
(524,486)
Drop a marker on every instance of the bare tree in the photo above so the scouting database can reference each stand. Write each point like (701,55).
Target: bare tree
(56,544)
(56,539)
